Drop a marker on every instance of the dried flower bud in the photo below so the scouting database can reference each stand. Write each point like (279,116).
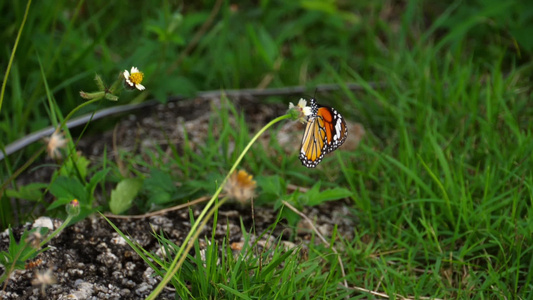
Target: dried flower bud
(34,239)
(44,279)
(55,142)
(240,186)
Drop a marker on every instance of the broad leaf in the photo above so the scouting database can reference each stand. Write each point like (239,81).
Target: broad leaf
(328,195)
(122,196)
(69,187)
(160,187)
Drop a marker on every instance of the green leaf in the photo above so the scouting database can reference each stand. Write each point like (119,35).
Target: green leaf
(185,191)
(271,184)
(5,258)
(234,292)
(111,97)
(69,187)
(291,217)
(97,178)
(174,85)
(160,187)
(20,250)
(286,213)
(31,192)
(122,196)
(272,188)
(99,82)
(60,201)
(264,44)
(323,6)
(69,168)
(329,195)
(315,197)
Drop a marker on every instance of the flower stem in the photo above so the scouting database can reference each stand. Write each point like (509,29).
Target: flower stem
(29,254)
(197,233)
(78,108)
(50,236)
(180,257)
(20,170)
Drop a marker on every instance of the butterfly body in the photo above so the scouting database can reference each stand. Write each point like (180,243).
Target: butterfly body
(325,132)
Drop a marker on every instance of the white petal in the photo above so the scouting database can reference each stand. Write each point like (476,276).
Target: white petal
(139,86)
(134,70)
(43,222)
(307,110)
(126,74)
(302,102)
(128,81)
(291,106)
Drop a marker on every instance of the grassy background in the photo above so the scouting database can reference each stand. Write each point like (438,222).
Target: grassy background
(442,184)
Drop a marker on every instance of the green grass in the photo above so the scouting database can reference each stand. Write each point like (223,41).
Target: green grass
(441,185)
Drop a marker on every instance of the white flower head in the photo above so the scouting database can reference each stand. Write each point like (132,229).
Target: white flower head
(55,142)
(44,279)
(134,78)
(303,111)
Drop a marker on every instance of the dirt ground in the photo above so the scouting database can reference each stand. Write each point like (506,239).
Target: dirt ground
(89,260)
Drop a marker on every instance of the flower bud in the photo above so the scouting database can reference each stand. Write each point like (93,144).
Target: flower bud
(73,208)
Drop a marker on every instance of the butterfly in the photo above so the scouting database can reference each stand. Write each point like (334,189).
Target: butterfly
(325,131)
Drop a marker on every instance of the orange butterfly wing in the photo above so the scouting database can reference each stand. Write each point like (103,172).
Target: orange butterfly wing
(325,131)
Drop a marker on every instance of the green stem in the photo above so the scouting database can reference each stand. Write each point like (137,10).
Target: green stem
(78,108)
(57,231)
(20,170)
(13,53)
(50,236)
(3,278)
(30,253)
(181,253)
(197,233)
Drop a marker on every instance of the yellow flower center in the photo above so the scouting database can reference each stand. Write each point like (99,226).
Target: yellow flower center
(245,180)
(136,78)
(240,186)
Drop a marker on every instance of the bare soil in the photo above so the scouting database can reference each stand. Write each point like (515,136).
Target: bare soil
(89,260)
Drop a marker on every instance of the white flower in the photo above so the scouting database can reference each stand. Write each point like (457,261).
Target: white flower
(134,78)
(302,109)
